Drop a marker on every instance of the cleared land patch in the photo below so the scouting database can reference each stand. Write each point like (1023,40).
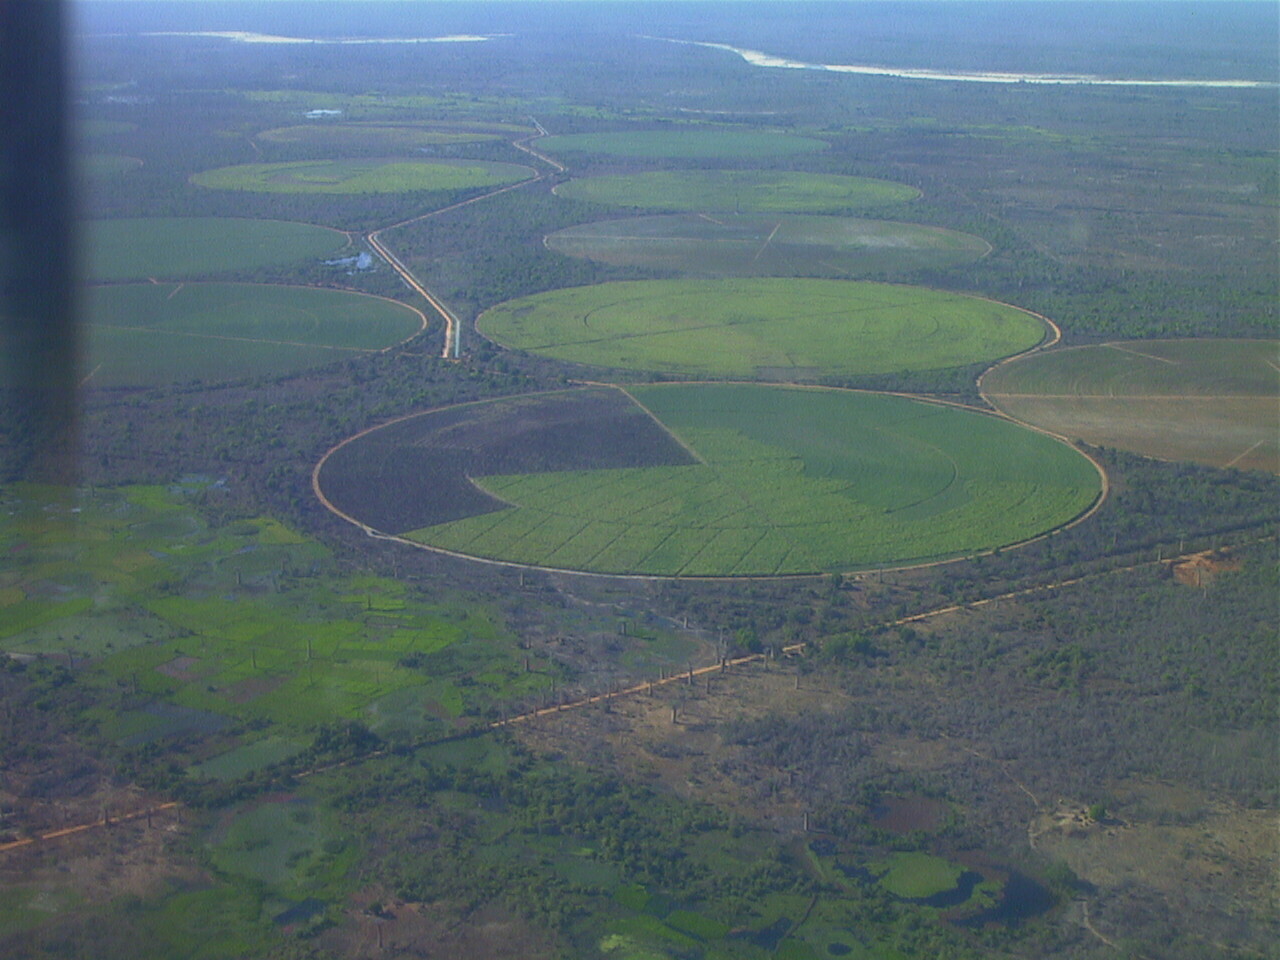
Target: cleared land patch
(775,329)
(361,176)
(174,247)
(739,191)
(1211,401)
(143,334)
(743,480)
(683,144)
(733,245)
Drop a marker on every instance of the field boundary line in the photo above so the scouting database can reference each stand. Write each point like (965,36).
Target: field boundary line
(1139,353)
(104,821)
(1237,459)
(665,429)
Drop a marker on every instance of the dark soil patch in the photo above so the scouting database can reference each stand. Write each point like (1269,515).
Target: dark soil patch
(251,688)
(416,472)
(905,814)
(180,668)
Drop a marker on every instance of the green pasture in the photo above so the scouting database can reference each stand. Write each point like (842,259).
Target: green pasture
(789,481)
(739,191)
(771,329)
(754,245)
(1210,401)
(141,334)
(373,137)
(178,247)
(362,176)
(683,144)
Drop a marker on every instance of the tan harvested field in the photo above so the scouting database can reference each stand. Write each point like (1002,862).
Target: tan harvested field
(1215,402)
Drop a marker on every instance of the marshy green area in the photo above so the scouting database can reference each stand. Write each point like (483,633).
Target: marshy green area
(771,329)
(361,176)
(149,333)
(196,629)
(788,481)
(179,247)
(739,191)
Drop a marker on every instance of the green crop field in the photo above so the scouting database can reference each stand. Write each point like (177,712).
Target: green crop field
(142,334)
(176,247)
(374,136)
(361,176)
(105,166)
(785,481)
(773,329)
(683,144)
(1210,401)
(732,245)
(92,129)
(739,191)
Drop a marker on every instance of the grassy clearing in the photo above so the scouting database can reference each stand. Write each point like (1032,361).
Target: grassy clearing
(789,481)
(739,191)
(772,329)
(177,247)
(753,245)
(688,144)
(361,176)
(143,334)
(294,846)
(919,875)
(1211,401)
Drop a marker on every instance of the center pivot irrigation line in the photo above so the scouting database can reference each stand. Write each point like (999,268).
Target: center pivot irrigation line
(452,325)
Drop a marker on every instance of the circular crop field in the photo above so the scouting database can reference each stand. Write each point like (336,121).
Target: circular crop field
(683,144)
(1209,401)
(361,176)
(134,249)
(739,191)
(709,480)
(772,329)
(149,333)
(755,245)
(363,137)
